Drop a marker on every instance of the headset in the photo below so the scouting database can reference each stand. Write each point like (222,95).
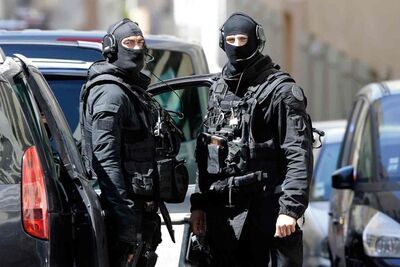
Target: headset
(110,46)
(259,33)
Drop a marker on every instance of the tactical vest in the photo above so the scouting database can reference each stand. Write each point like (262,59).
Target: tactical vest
(228,147)
(148,154)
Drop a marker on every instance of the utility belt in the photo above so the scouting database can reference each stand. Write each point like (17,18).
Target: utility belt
(146,206)
(244,185)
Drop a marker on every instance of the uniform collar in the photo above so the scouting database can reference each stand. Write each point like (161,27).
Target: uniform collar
(104,67)
(249,75)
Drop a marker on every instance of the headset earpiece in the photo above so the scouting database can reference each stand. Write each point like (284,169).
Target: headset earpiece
(261,39)
(221,38)
(110,48)
(109,43)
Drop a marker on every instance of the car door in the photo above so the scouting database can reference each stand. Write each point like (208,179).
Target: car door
(90,234)
(186,98)
(341,200)
(21,131)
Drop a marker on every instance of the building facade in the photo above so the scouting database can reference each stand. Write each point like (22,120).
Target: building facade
(331,47)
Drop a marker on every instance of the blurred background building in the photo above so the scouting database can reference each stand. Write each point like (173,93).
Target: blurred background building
(331,47)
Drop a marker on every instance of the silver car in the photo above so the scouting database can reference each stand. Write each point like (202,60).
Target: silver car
(315,229)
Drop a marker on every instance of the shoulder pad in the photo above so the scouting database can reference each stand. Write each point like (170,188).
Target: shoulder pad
(292,95)
(273,82)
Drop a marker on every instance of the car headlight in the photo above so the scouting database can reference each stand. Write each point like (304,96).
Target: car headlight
(381,237)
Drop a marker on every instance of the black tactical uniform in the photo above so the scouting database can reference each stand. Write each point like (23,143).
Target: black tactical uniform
(255,156)
(117,122)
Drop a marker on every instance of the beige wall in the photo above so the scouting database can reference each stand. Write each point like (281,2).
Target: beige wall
(335,47)
(367,30)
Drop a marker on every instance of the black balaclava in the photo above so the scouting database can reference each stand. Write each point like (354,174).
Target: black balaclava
(240,56)
(129,60)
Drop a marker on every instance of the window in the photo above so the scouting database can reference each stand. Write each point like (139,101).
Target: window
(57,122)
(186,102)
(191,102)
(53,51)
(352,133)
(168,64)
(15,136)
(67,90)
(365,155)
(388,121)
(326,165)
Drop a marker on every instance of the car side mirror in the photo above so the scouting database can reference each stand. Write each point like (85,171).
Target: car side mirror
(343,178)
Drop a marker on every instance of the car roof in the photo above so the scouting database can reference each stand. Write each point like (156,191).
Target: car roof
(88,36)
(61,66)
(159,42)
(375,91)
(84,44)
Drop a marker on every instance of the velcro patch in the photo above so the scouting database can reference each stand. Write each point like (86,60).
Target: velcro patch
(297,93)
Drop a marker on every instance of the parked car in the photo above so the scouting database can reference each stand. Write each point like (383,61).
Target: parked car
(66,78)
(364,224)
(315,228)
(173,57)
(50,215)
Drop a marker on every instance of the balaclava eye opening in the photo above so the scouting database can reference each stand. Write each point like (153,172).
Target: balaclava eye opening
(239,56)
(129,60)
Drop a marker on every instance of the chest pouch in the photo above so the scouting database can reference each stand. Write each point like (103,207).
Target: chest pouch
(173,180)
(173,177)
(138,165)
(211,152)
(237,159)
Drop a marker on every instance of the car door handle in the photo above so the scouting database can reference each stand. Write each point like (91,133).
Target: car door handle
(330,214)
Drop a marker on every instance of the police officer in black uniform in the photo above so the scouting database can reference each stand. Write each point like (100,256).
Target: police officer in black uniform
(117,119)
(254,157)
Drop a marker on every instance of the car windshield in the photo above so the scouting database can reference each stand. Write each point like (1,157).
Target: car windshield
(325,166)
(388,119)
(67,90)
(52,51)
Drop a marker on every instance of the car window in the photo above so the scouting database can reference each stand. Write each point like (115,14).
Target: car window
(191,102)
(67,90)
(58,124)
(352,132)
(15,136)
(168,64)
(388,120)
(53,51)
(366,154)
(186,102)
(325,166)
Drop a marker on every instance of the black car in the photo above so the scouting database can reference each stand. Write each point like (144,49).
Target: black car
(364,224)
(170,56)
(49,213)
